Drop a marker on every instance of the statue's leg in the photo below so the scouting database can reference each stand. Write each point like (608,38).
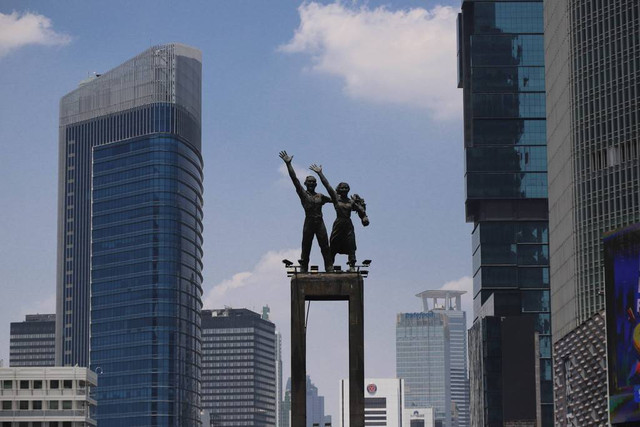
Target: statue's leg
(352,259)
(323,242)
(307,239)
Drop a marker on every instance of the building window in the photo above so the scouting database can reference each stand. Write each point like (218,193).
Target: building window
(66,404)
(53,404)
(6,405)
(37,404)
(54,384)
(24,385)
(68,384)
(23,405)
(7,384)
(37,384)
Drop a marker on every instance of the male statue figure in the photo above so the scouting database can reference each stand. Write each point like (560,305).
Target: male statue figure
(313,223)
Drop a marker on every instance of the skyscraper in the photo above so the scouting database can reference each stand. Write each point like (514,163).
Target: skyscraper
(592,97)
(449,303)
(238,368)
(423,359)
(130,236)
(32,342)
(501,71)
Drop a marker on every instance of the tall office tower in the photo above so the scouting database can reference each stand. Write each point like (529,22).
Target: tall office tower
(238,368)
(501,71)
(592,119)
(32,342)
(130,236)
(449,303)
(423,359)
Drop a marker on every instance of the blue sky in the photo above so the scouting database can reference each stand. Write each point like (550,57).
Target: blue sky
(367,89)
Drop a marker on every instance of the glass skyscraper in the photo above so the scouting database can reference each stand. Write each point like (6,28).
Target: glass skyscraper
(130,237)
(423,361)
(449,303)
(501,71)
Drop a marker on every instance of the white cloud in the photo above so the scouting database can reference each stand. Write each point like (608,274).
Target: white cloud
(266,283)
(463,284)
(21,29)
(404,57)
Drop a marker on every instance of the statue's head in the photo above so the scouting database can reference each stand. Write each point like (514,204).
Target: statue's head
(342,189)
(311,183)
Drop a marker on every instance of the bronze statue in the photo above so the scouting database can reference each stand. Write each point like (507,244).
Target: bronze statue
(343,237)
(313,223)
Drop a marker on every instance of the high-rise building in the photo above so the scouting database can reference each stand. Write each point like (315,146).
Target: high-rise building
(423,361)
(449,303)
(501,71)
(238,368)
(130,236)
(592,119)
(32,342)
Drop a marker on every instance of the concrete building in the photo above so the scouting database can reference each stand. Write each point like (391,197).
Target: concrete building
(238,368)
(33,342)
(130,236)
(383,405)
(47,397)
(591,51)
(502,74)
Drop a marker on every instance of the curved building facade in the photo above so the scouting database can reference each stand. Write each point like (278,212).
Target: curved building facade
(131,237)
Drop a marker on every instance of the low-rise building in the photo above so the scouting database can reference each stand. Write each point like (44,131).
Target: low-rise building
(47,397)
(383,405)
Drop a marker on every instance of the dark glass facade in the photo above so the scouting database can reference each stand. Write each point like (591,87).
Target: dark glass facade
(501,69)
(130,237)
(146,280)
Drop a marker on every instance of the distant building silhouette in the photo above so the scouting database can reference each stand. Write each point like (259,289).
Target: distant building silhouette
(315,405)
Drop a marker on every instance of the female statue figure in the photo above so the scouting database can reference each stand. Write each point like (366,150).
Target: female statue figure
(343,238)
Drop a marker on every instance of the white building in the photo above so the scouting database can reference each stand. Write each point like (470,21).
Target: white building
(47,396)
(383,405)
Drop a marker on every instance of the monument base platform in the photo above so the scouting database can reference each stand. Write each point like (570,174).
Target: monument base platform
(345,286)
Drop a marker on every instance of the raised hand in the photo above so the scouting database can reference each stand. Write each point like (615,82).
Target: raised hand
(316,168)
(284,156)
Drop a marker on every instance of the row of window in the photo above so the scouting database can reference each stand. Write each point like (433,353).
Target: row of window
(40,384)
(36,405)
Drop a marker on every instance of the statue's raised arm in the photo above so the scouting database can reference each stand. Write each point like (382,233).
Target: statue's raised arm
(313,223)
(292,173)
(332,193)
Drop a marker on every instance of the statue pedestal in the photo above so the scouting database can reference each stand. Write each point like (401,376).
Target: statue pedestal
(327,287)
